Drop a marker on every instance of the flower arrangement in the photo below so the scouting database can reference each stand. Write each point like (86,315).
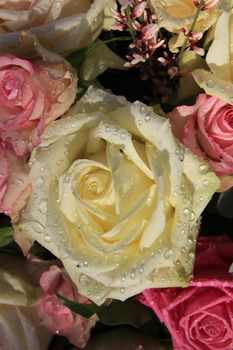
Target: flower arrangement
(116,164)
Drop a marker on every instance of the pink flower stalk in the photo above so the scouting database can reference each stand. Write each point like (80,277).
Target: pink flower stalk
(136,17)
(57,317)
(194,37)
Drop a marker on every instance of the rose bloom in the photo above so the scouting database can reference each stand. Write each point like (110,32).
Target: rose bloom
(60,25)
(116,198)
(200,316)
(206,128)
(57,317)
(32,94)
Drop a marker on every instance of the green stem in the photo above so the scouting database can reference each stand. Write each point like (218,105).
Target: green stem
(132,31)
(191,29)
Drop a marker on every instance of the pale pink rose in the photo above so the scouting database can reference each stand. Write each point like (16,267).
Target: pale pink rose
(207,129)
(31,95)
(15,185)
(57,317)
(199,317)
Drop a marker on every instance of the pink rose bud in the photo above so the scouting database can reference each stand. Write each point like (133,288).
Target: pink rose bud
(57,317)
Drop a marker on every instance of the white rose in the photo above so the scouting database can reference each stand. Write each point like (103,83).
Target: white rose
(60,25)
(116,198)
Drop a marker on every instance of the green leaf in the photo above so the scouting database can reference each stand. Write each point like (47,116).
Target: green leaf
(78,57)
(117,313)
(81,309)
(6,236)
(125,313)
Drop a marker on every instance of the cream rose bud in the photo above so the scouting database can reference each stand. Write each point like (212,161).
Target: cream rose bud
(60,25)
(116,198)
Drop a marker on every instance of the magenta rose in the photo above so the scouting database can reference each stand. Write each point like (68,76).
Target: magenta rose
(55,316)
(32,94)
(200,316)
(207,129)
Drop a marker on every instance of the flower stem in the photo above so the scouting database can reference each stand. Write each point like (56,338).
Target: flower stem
(191,28)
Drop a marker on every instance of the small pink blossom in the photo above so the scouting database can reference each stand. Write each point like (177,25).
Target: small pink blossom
(142,24)
(206,5)
(207,129)
(194,37)
(57,317)
(199,317)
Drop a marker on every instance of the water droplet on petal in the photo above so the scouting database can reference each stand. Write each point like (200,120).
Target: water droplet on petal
(38,227)
(210,83)
(47,238)
(147,118)
(168,254)
(140,122)
(122,290)
(122,135)
(203,168)
(186,212)
(206,183)
(132,275)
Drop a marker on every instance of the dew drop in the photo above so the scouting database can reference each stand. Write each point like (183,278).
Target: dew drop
(193,216)
(203,168)
(191,256)
(122,290)
(132,275)
(182,232)
(167,254)
(147,118)
(206,183)
(210,83)
(142,109)
(186,212)
(38,227)
(47,238)
(140,122)
(122,135)
(85,263)
(83,280)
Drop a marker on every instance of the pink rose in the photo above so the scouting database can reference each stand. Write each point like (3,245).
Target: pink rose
(14,183)
(57,317)
(31,95)
(207,129)
(199,317)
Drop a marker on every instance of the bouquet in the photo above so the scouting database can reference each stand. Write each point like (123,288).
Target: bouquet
(116,174)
